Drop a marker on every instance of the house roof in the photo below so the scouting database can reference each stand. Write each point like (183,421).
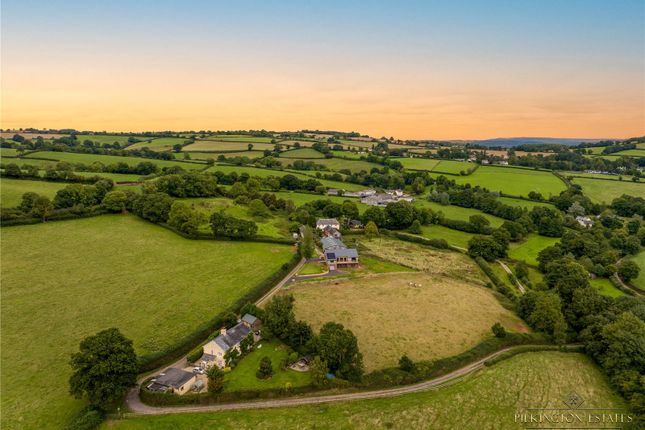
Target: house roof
(248,318)
(173,377)
(326,221)
(207,358)
(331,242)
(342,252)
(233,336)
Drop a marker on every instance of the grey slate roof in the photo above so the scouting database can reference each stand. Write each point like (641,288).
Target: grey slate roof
(249,319)
(331,242)
(173,377)
(341,252)
(233,336)
(326,221)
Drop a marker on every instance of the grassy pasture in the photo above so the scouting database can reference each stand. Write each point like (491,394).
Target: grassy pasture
(159,144)
(605,287)
(348,154)
(605,191)
(488,399)
(337,164)
(240,138)
(419,163)
(443,317)
(65,280)
(632,153)
(206,155)
(598,176)
(302,198)
(31,136)
(515,182)
(523,203)
(243,376)
(271,225)
(11,190)
(302,153)
(454,167)
(453,237)
(457,212)
(640,260)
(263,173)
(529,248)
(123,140)
(73,157)
(218,146)
(8,152)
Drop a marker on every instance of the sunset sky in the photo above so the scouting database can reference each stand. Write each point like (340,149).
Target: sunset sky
(409,69)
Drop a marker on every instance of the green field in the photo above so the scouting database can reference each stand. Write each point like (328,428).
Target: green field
(241,138)
(11,190)
(632,153)
(640,260)
(159,144)
(457,212)
(598,176)
(488,399)
(523,203)
(301,198)
(454,237)
(528,249)
(215,146)
(349,154)
(605,287)
(206,155)
(513,181)
(313,269)
(116,177)
(454,167)
(419,163)
(8,152)
(337,164)
(264,173)
(302,153)
(62,281)
(105,138)
(243,376)
(605,191)
(73,157)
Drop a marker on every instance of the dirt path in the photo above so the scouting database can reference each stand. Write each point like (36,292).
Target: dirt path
(138,408)
(508,270)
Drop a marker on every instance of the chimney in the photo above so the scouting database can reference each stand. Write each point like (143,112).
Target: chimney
(222,331)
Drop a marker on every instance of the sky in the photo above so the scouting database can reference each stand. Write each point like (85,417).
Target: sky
(410,69)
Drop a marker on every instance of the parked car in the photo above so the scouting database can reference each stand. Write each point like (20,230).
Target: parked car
(198,370)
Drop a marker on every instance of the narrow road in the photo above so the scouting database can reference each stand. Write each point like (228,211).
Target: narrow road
(137,407)
(280,284)
(508,270)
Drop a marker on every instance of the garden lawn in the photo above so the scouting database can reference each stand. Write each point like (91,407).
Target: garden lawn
(514,181)
(418,163)
(602,191)
(442,316)
(62,281)
(73,157)
(313,269)
(529,249)
(640,260)
(11,190)
(488,399)
(605,287)
(302,153)
(242,377)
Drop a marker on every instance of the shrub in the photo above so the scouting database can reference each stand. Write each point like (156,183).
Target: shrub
(498,330)
(265,370)
(195,354)
(88,418)
(406,364)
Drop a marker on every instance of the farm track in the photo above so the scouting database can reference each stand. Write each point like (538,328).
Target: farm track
(517,282)
(138,408)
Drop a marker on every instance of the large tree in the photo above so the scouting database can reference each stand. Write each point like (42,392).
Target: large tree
(104,369)
(338,347)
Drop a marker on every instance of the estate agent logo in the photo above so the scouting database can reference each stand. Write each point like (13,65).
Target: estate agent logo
(573,416)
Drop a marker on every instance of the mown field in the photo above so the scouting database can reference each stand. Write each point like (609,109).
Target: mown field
(241,138)
(513,181)
(453,237)
(441,317)
(206,155)
(601,191)
(528,249)
(106,138)
(72,157)
(454,167)
(486,400)
(62,281)
(337,164)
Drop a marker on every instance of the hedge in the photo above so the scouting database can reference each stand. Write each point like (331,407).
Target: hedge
(207,236)
(499,284)
(534,348)
(189,342)
(56,215)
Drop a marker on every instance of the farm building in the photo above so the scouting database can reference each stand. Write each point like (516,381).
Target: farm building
(355,224)
(383,199)
(584,221)
(323,223)
(176,380)
(231,338)
(337,255)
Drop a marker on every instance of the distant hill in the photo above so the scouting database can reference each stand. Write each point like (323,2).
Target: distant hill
(514,141)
